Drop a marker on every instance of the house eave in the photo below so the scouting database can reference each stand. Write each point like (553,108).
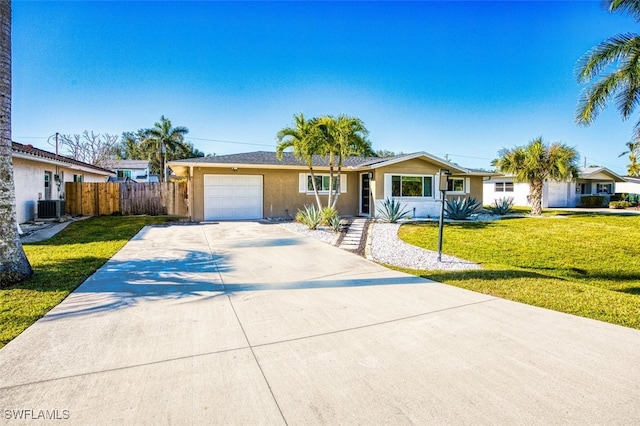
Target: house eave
(39,159)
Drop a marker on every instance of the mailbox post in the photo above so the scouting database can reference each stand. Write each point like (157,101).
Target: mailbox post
(444,186)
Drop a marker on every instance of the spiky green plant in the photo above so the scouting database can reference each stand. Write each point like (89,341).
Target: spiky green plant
(461,208)
(334,222)
(328,213)
(310,216)
(502,206)
(391,211)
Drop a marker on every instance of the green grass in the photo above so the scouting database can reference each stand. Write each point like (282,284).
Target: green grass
(582,264)
(61,264)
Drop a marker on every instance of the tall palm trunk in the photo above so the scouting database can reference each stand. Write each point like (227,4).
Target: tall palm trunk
(14,266)
(535,190)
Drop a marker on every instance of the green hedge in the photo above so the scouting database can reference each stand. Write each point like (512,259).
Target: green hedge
(592,201)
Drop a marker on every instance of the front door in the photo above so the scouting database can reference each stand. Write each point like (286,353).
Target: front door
(365,195)
(47,185)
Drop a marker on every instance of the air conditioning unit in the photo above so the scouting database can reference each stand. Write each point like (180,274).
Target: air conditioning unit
(50,209)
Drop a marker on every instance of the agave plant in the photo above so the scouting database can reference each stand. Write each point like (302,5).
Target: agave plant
(334,222)
(461,208)
(310,216)
(328,215)
(502,206)
(391,211)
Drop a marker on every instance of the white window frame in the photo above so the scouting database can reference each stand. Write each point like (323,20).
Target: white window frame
(503,186)
(466,185)
(303,182)
(388,186)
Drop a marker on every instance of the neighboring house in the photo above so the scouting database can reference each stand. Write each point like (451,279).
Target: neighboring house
(591,181)
(40,175)
(631,185)
(136,170)
(256,185)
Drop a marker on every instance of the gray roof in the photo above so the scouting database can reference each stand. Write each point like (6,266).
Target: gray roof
(266,158)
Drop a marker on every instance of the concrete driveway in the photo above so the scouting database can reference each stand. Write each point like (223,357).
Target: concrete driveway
(247,323)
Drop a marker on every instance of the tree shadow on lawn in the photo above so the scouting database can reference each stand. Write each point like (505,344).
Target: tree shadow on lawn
(485,275)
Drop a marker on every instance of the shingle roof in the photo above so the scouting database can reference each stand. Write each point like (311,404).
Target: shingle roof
(266,158)
(36,152)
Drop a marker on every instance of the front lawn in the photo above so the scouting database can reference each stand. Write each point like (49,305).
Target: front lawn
(584,264)
(61,264)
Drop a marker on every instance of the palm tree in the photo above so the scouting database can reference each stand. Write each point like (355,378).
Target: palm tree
(343,136)
(623,84)
(303,139)
(166,142)
(14,265)
(633,169)
(537,162)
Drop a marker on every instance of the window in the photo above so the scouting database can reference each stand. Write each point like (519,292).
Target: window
(604,188)
(47,180)
(124,174)
(77,178)
(456,185)
(411,186)
(322,183)
(504,187)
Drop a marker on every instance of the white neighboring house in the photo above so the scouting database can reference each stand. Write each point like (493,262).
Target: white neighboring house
(631,186)
(40,175)
(136,170)
(592,181)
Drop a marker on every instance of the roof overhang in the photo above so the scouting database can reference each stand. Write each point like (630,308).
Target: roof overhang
(86,169)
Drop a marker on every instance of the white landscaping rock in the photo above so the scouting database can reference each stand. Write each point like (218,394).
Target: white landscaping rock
(387,248)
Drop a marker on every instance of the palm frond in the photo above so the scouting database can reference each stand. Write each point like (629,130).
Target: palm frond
(594,99)
(631,7)
(613,49)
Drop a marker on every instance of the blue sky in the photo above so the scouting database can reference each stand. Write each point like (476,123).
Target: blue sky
(463,79)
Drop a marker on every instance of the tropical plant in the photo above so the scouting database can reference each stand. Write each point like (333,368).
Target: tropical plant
(328,213)
(502,206)
(461,208)
(342,136)
(166,143)
(335,223)
(303,139)
(329,137)
(619,204)
(391,211)
(621,85)
(14,266)
(633,169)
(537,162)
(310,216)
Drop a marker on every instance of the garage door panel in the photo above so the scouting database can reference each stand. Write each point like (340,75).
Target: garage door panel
(232,197)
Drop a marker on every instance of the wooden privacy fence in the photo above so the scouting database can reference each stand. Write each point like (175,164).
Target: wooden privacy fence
(126,198)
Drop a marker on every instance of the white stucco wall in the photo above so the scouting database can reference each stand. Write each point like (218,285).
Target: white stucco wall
(628,187)
(519,194)
(28,177)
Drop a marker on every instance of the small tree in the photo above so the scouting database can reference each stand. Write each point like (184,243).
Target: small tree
(92,148)
(537,162)
(633,169)
(302,138)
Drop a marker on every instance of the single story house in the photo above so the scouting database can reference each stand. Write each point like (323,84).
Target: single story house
(40,175)
(631,186)
(136,170)
(591,181)
(258,185)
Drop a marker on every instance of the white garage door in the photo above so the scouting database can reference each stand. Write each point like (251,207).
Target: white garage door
(229,197)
